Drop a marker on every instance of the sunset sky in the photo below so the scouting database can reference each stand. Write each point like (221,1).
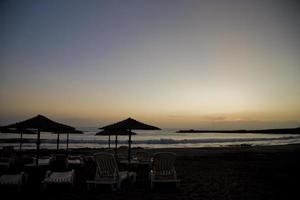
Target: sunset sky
(172,63)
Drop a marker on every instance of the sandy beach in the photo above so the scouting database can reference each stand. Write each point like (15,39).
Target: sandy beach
(259,172)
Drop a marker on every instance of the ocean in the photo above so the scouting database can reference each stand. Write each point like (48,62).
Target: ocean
(167,138)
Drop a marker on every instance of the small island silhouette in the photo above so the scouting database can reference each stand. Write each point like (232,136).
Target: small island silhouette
(267,131)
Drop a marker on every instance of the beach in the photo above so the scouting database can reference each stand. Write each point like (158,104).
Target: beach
(237,172)
(149,100)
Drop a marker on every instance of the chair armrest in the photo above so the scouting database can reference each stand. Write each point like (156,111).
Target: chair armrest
(116,175)
(73,177)
(175,174)
(48,173)
(151,174)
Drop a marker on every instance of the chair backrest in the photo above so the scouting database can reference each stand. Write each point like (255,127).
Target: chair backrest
(59,162)
(163,164)
(106,166)
(110,151)
(7,152)
(143,156)
(123,152)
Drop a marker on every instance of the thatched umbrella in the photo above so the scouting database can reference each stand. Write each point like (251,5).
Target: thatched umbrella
(129,124)
(72,132)
(17,131)
(68,132)
(41,123)
(116,133)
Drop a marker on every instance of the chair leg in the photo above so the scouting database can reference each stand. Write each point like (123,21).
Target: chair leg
(177,184)
(44,186)
(152,184)
(119,185)
(132,178)
(89,187)
(113,188)
(19,188)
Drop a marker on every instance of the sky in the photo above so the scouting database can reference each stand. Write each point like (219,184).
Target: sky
(175,64)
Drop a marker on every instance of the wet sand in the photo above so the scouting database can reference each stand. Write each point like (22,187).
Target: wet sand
(270,172)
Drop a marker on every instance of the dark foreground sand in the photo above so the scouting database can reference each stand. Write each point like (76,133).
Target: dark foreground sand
(271,172)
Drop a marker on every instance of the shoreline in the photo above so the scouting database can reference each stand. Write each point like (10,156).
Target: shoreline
(209,150)
(185,152)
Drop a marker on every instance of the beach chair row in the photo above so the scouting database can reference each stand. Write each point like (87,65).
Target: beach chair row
(107,173)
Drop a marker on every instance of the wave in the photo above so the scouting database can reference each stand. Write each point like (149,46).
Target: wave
(182,141)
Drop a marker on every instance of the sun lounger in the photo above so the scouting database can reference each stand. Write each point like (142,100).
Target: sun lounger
(107,172)
(60,173)
(143,157)
(75,160)
(7,157)
(59,178)
(17,180)
(43,161)
(163,169)
(6,163)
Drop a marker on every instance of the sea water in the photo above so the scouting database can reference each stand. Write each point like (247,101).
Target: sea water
(167,138)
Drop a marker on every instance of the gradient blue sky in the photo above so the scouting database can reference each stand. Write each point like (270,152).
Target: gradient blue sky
(178,64)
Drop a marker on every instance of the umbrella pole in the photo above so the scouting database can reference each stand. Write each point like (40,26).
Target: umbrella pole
(57,142)
(21,140)
(109,142)
(116,145)
(38,147)
(67,143)
(129,146)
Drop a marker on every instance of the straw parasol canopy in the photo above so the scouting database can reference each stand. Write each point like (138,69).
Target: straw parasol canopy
(10,130)
(129,124)
(41,123)
(115,132)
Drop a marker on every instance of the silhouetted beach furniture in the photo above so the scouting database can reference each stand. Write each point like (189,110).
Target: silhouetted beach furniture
(5,163)
(122,153)
(7,152)
(21,132)
(107,172)
(163,169)
(129,125)
(60,173)
(143,157)
(108,133)
(116,133)
(110,151)
(40,124)
(7,157)
(43,161)
(65,178)
(59,162)
(15,180)
(75,161)
(68,132)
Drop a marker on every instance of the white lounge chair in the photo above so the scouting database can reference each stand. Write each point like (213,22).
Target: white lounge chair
(66,178)
(75,161)
(6,163)
(17,180)
(107,171)
(163,169)
(60,175)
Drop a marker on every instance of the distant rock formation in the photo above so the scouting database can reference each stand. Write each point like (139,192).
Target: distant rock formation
(271,131)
